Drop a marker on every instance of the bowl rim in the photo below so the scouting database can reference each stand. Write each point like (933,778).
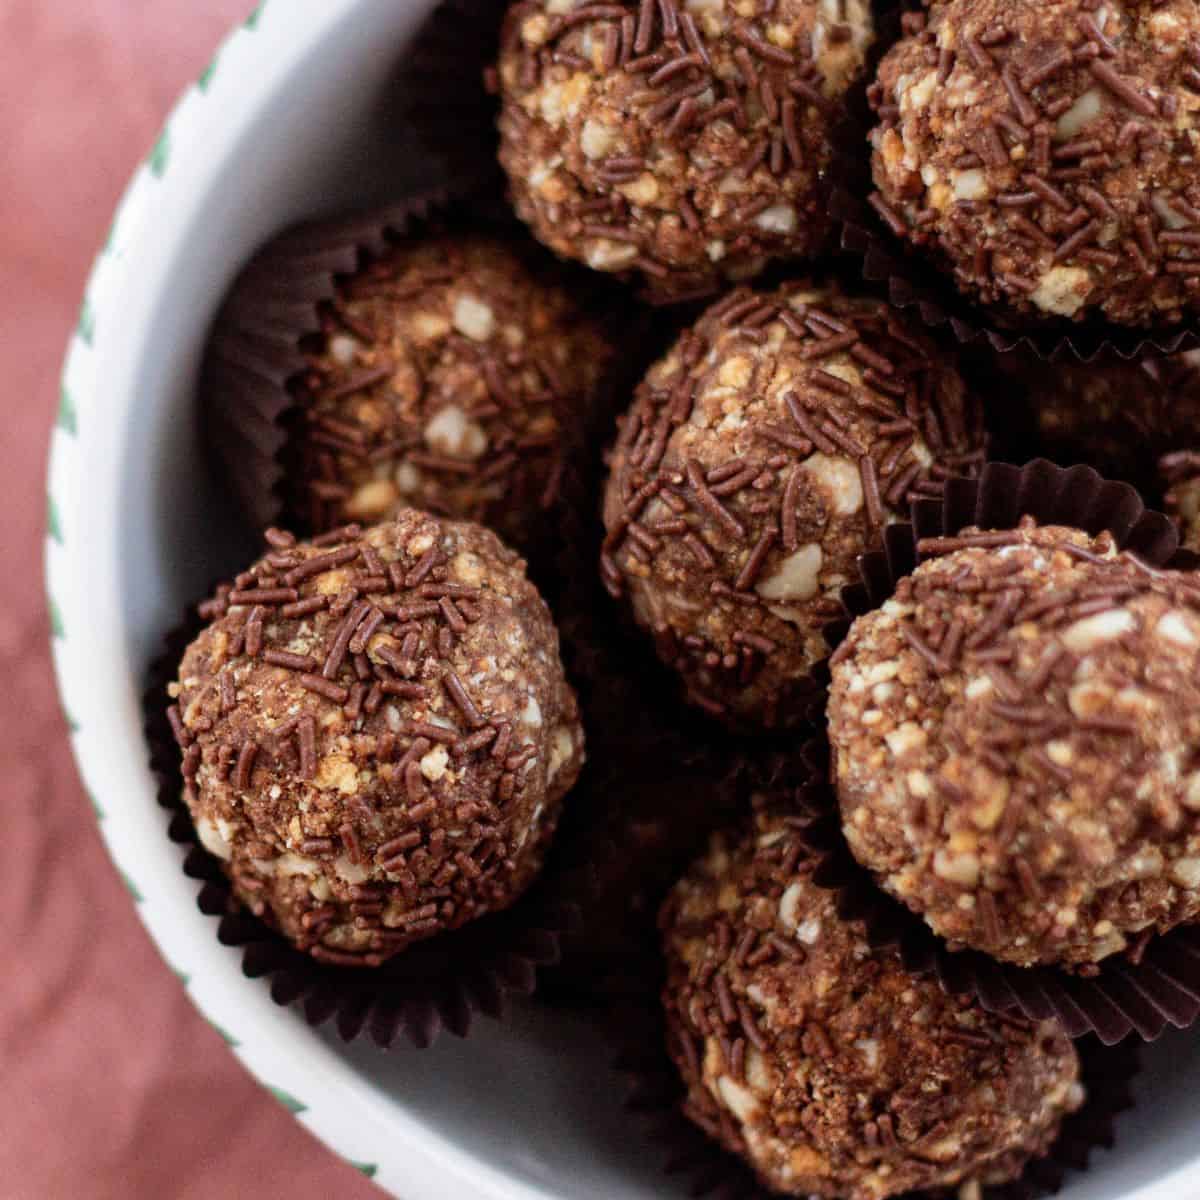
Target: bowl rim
(332,1099)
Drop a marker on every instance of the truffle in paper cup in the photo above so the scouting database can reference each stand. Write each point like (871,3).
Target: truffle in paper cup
(428,355)
(1155,982)
(422,806)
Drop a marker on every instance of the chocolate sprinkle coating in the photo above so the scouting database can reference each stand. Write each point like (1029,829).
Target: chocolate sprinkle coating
(1017,745)
(377,734)
(1045,153)
(761,456)
(822,1061)
(1180,475)
(689,144)
(450,376)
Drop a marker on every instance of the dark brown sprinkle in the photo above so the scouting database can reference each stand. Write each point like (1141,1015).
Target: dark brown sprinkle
(324,687)
(293,662)
(320,563)
(1122,88)
(304,608)
(263,596)
(245,765)
(754,563)
(458,693)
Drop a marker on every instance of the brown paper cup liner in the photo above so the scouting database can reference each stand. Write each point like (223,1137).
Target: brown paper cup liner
(256,355)
(442,983)
(655,1090)
(1142,993)
(912,281)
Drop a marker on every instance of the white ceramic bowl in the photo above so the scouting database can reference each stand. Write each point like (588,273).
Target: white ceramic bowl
(297,116)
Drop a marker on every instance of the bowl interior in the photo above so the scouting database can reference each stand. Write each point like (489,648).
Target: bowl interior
(525,1109)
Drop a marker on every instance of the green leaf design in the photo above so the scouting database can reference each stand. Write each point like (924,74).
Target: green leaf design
(370,1170)
(66,412)
(289,1102)
(228,1038)
(130,887)
(206,76)
(183,977)
(100,814)
(53,524)
(56,621)
(160,155)
(87,321)
(253,19)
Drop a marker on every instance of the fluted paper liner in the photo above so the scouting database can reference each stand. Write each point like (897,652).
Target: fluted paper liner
(441,983)
(1141,995)
(913,282)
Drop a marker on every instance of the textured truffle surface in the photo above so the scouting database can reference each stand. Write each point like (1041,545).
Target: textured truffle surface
(821,1061)
(377,734)
(1180,475)
(452,376)
(1017,744)
(1047,151)
(761,456)
(685,140)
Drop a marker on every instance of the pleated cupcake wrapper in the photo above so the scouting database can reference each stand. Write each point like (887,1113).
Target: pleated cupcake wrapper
(654,1090)
(914,283)
(254,354)
(1141,996)
(440,984)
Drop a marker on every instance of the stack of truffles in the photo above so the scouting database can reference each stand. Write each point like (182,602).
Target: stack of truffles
(378,737)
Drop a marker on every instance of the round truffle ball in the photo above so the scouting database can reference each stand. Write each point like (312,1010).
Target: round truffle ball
(761,456)
(1017,744)
(377,734)
(452,375)
(1045,152)
(687,142)
(821,1061)
(1117,417)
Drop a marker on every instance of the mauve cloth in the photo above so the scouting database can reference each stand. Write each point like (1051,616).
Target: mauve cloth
(112,1084)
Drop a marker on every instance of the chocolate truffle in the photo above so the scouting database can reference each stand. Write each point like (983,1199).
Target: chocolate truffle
(1046,153)
(1017,745)
(377,734)
(826,1065)
(1117,417)
(452,375)
(687,142)
(1180,474)
(762,455)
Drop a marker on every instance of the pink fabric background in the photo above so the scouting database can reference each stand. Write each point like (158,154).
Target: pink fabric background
(113,1086)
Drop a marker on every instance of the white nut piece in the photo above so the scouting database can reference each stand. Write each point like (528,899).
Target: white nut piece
(452,433)
(473,318)
(839,480)
(796,577)
(1094,631)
